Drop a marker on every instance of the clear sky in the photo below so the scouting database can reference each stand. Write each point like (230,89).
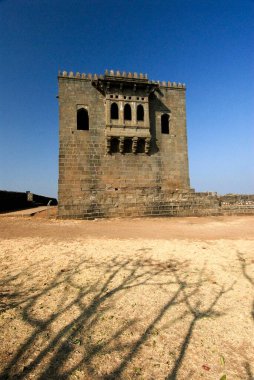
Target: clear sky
(206,44)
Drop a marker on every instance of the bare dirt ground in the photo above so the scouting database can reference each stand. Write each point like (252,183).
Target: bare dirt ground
(127,299)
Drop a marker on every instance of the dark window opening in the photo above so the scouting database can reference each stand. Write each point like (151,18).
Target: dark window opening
(141,146)
(114,146)
(114,111)
(165,123)
(82,119)
(127,112)
(140,113)
(111,96)
(127,145)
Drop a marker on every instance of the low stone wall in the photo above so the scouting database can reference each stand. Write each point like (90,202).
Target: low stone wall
(12,200)
(233,204)
(156,202)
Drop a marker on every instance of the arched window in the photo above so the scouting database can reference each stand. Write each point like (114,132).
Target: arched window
(140,113)
(114,111)
(82,119)
(127,112)
(165,123)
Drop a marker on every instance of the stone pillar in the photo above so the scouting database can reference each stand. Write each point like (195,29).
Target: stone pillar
(147,145)
(134,113)
(146,114)
(134,144)
(121,145)
(120,112)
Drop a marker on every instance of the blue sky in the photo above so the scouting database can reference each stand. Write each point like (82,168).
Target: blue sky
(206,44)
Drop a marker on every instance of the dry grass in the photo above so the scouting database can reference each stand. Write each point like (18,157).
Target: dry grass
(125,308)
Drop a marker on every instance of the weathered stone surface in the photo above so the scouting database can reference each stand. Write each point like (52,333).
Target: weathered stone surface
(95,181)
(121,167)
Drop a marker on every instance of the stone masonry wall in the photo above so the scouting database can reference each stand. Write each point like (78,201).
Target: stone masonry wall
(93,183)
(12,200)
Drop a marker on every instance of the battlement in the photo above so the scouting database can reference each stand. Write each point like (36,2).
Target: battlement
(120,76)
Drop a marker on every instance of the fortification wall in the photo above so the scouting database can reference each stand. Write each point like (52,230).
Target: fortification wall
(12,200)
(94,182)
(97,181)
(153,203)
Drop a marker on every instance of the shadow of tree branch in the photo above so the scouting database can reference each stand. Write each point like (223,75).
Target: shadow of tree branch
(244,267)
(197,313)
(68,327)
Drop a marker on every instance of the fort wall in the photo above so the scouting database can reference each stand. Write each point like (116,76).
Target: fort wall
(95,180)
(123,150)
(12,200)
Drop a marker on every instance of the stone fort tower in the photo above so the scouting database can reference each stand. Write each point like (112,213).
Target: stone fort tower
(123,146)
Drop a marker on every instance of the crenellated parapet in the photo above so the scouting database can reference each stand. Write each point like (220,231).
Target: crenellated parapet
(171,84)
(120,76)
(125,75)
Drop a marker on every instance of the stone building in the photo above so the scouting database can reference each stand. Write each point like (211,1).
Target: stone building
(123,145)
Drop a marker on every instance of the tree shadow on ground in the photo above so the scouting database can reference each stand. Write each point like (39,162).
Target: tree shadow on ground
(250,279)
(184,294)
(64,338)
(198,312)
